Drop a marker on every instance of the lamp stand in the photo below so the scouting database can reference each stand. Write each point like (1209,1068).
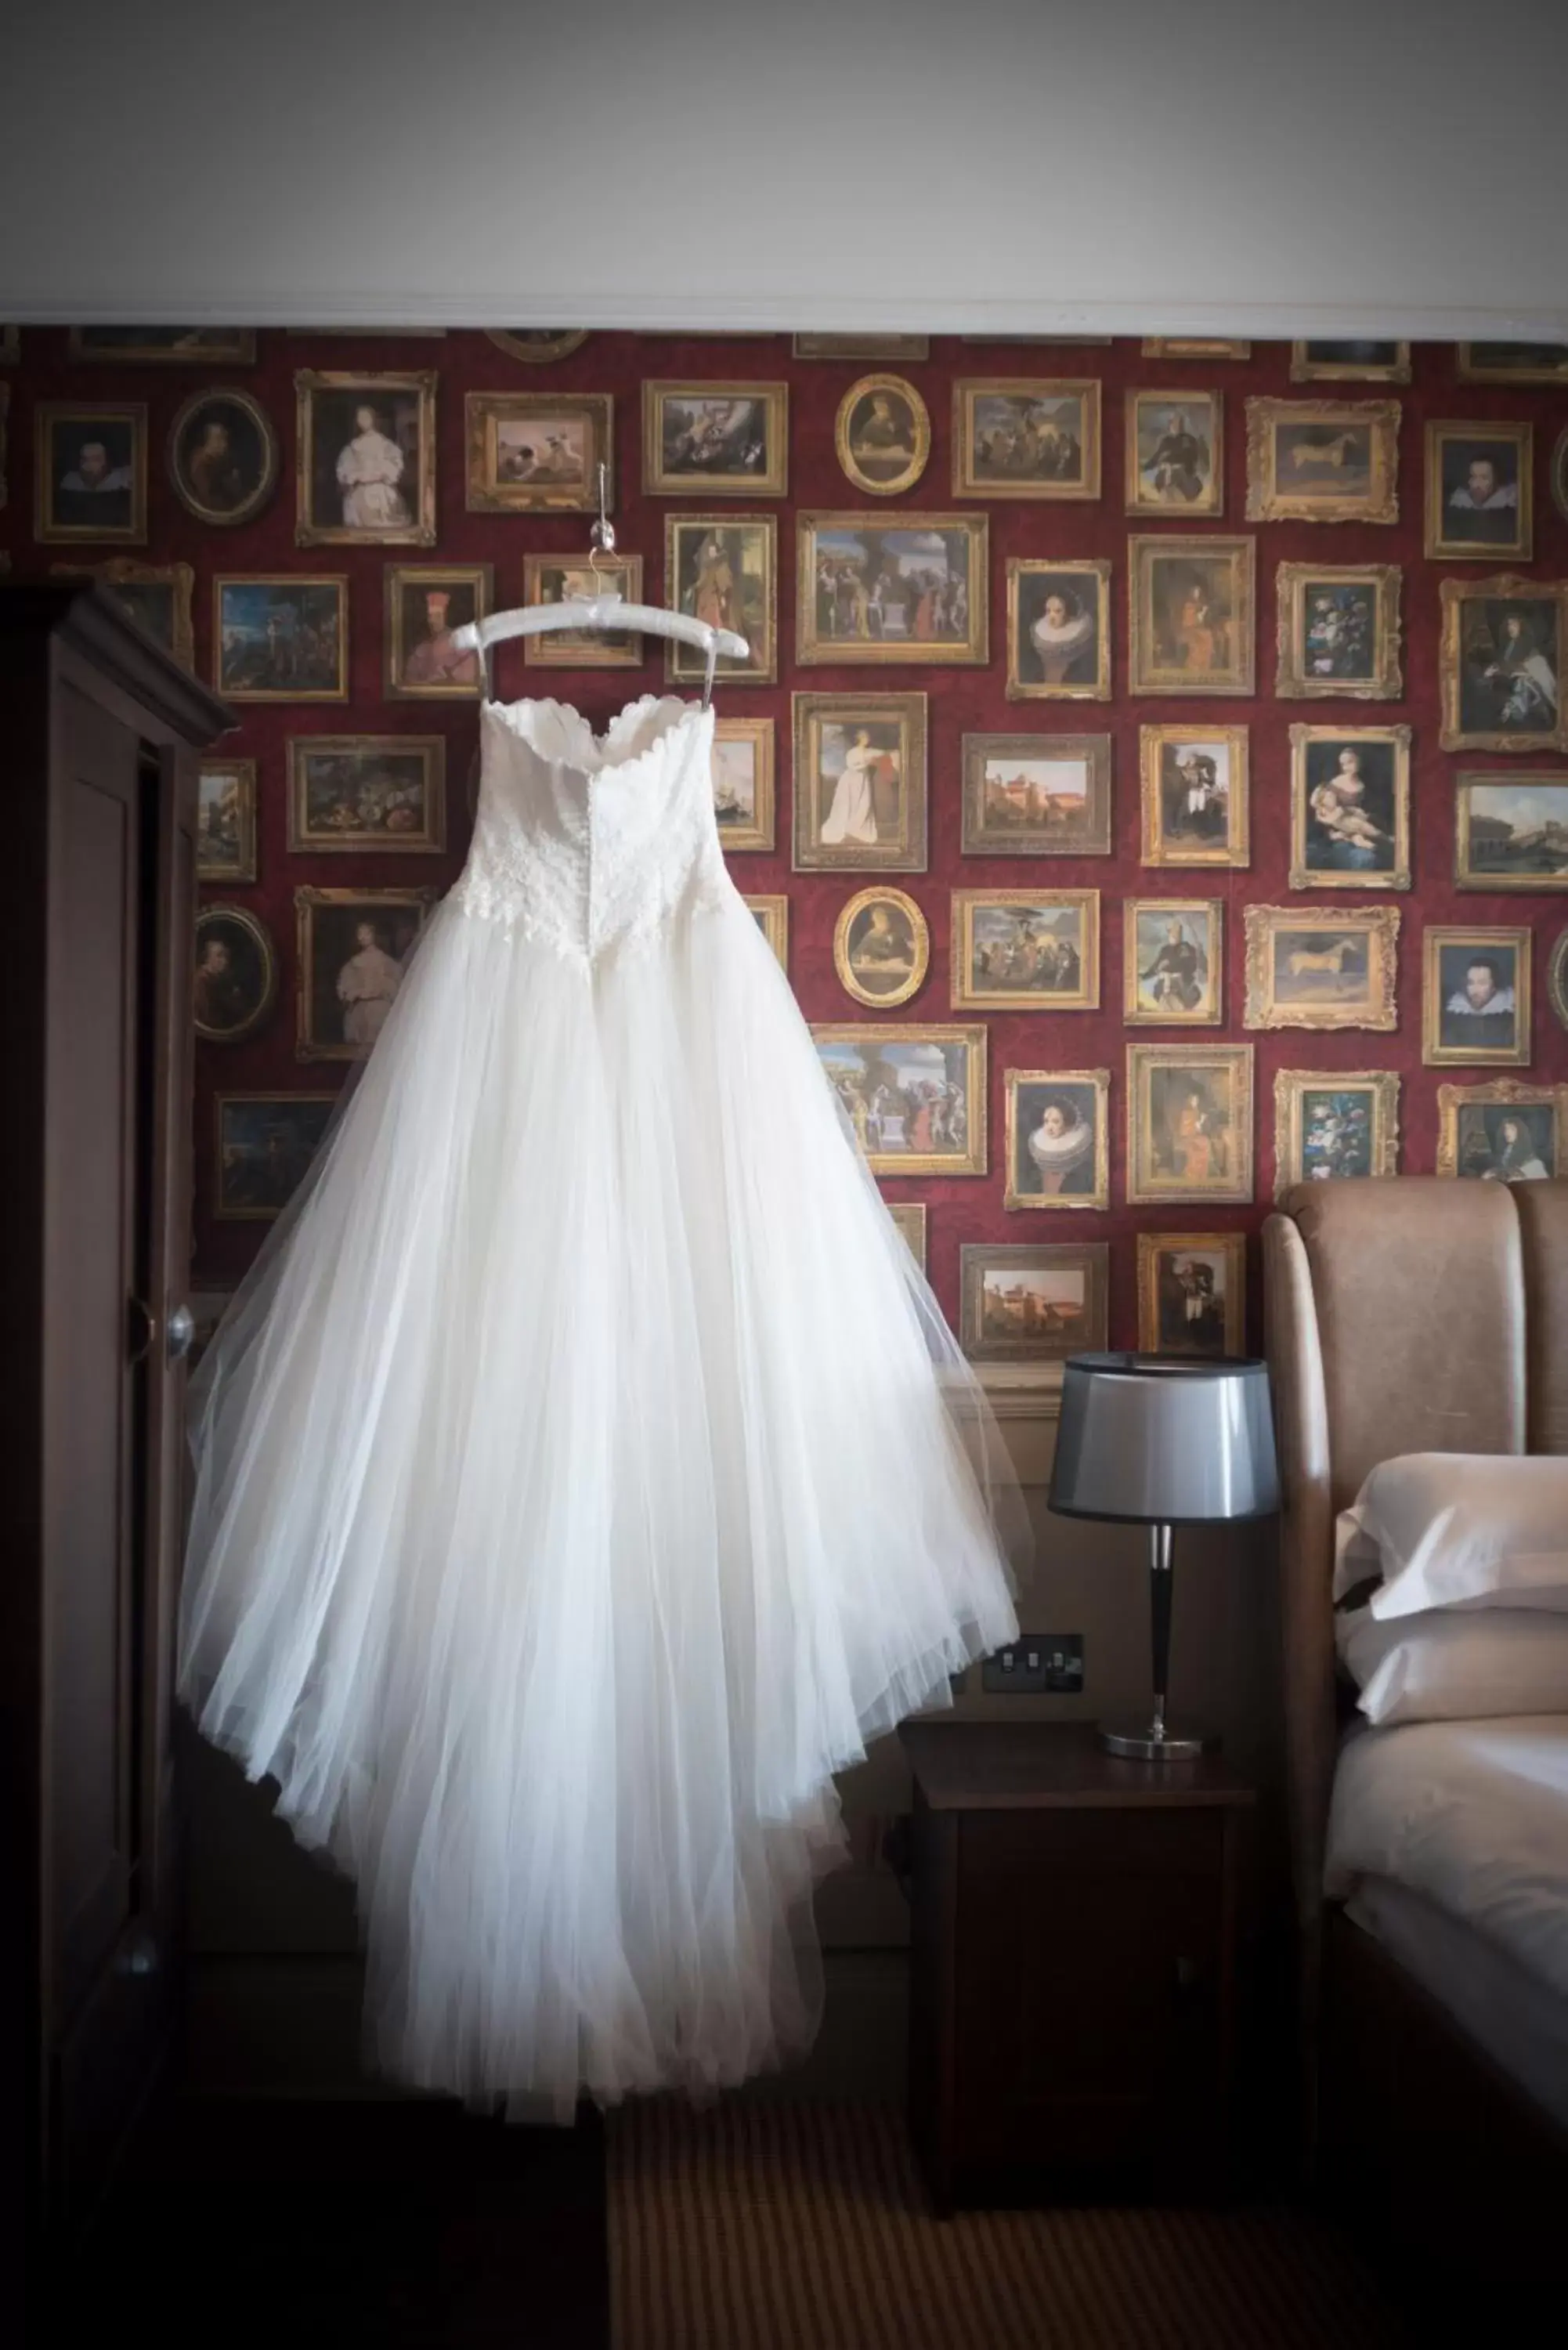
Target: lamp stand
(1152,1741)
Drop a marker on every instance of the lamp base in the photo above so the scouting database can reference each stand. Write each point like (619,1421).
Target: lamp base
(1148,1741)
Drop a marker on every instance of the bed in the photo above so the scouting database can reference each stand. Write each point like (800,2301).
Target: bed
(1429,1862)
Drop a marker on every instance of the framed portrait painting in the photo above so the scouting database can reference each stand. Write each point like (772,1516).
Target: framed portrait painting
(349,793)
(1026,436)
(1331,1124)
(1350,808)
(1173,952)
(1175,453)
(226,820)
(537,346)
(910,1216)
(915,1094)
(222,457)
(1475,996)
(743,764)
(1511,832)
(905,589)
(1507,1132)
(89,471)
(1194,795)
(1350,363)
(354,946)
(1189,1123)
(1192,1294)
(1339,632)
(1500,664)
(1323,459)
(425,603)
(1036,795)
(1058,630)
(1032,1303)
(156,596)
(1025,949)
(883,435)
(859,782)
(559,579)
(1480,491)
(1193,614)
(770,915)
(281,637)
(366,457)
(723,569)
(881,948)
(718,440)
(235,983)
(1306,970)
(263,1147)
(1058,1139)
(539,452)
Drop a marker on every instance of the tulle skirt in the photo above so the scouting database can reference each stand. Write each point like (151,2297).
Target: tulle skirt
(584,1474)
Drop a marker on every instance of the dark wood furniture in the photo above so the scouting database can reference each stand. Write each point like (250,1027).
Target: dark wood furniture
(1073,1999)
(100,740)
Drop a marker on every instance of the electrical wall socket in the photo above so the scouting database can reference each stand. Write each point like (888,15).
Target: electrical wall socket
(1037,1664)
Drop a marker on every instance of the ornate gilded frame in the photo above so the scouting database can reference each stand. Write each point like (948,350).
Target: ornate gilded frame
(812,650)
(972,1161)
(1211,506)
(619,574)
(1145,550)
(483,411)
(659,483)
(1269,500)
(1052,1202)
(395,578)
(306,903)
(1501,587)
(967,998)
(1435,546)
(919,416)
(905,348)
(1096,567)
(1451,1099)
(224,518)
(1231,1246)
(1557,978)
(429,841)
(909,853)
(1194,347)
(920,932)
(1379,925)
(772,915)
(1235,849)
(1210,911)
(225,1215)
(760,835)
(1306,876)
(293,581)
(1291,1089)
(967,390)
(551,343)
(1469,371)
(49,415)
(684,664)
(1467,876)
(1435,1054)
(124,570)
(1144,1186)
(307,383)
(1305,369)
(1094,750)
(238,351)
(1092,1258)
(261,937)
(909,1215)
(1291,583)
(243,869)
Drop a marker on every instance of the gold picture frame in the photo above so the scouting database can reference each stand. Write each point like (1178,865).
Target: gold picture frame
(1454,1024)
(1041,984)
(226,820)
(249,438)
(232,1001)
(1052,1165)
(538,346)
(1507,448)
(565,576)
(724,568)
(1332,648)
(234,1200)
(315,387)
(882,467)
(318,913)
(1331,820)
(868,590)
(162,346)
(1195,796)
(1208,1319)
(1341,973)
(1188,456)
(927,1114)
(387,823)
(744,791)
(896,949)
(872,796)
(505,472)
(905,348)
(1470,1143)
(289,663)
(909,1215)
(1195,346)
(157,596)
(1549,830)
(1023,795)
(1511,363)
(117,429)
(1190,1124)
(662,477)
(1173,983)
(771,914)
(1051,1300)
(1063,609)
(1491,698)
(1284,483)
(1557,978)
(1026,465)
(1192,610)
(427,670)
(1309,362)
(1298,1157)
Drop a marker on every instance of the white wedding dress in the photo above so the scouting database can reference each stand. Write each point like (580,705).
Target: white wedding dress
(585,1472)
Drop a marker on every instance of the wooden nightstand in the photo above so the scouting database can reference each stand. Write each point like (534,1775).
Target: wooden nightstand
(1073,2004)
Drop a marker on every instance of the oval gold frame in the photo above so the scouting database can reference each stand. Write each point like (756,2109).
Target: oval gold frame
(1559,475)
(851,401)
(1557,978)
(563,341)
(268,952)
(258,498)
(919,930)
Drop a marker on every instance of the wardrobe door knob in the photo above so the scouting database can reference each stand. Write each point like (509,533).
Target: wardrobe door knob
(182,1330)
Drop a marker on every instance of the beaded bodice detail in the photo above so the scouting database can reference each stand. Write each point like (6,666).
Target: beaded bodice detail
(587,843)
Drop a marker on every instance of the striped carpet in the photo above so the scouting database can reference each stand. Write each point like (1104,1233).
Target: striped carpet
(796,2225)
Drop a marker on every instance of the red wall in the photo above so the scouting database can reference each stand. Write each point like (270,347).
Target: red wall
(960,700)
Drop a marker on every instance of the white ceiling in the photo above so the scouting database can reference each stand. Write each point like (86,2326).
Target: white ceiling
(1247,167)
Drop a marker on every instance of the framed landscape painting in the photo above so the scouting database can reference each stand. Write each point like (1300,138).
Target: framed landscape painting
(904,588)
(915,1094)
(715,440)
(539,452)
(1323,461)
(1032,1303)
(1312,970)
(281,637)
(1036,795)
(1511,832)
(1025,949)
(1026,436)
(742,767)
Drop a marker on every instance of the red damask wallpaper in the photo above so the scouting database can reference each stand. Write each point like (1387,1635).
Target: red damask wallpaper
(47,366)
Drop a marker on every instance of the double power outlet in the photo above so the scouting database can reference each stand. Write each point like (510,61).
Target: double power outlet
(1037,1664)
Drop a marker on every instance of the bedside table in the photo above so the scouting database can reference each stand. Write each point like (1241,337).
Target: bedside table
(1073,1998)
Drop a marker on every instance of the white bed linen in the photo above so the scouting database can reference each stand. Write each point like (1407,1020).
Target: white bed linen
(1520,2021)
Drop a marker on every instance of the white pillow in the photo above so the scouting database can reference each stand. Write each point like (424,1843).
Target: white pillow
(1459,1530)
(1455,1665)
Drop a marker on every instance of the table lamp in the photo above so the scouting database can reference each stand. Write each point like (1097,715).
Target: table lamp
(1163,1441)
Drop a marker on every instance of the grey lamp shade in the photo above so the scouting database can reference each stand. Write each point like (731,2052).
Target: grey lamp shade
(1164,1439)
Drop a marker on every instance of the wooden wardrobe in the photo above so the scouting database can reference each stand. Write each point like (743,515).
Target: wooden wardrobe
(100,738)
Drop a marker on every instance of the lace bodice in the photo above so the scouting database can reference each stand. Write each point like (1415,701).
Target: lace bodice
(585,842)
